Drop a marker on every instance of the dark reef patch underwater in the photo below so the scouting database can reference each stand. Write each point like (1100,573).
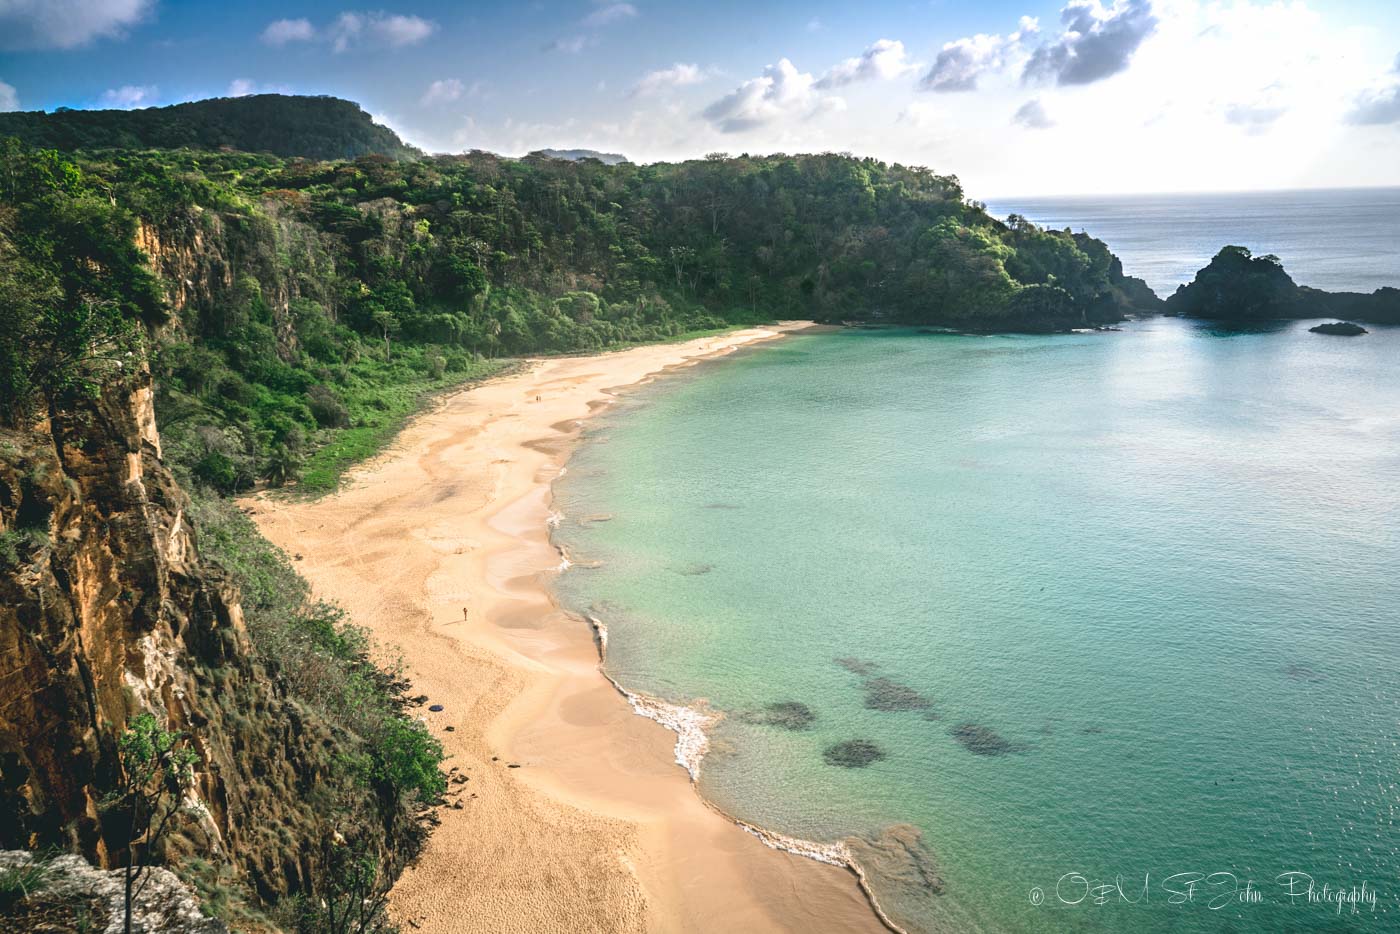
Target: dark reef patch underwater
(853,754)
(786,715)
(982,740)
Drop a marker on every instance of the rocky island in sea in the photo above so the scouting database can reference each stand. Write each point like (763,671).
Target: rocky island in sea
(1239,286)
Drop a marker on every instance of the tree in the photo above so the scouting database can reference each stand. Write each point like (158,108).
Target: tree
(354,894)
(157,770)
(74,289)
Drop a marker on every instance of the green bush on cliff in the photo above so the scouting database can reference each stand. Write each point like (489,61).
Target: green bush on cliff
(325,661)
(74,289)
(406,758)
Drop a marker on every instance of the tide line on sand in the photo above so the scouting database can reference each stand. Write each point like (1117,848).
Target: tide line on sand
(691,726)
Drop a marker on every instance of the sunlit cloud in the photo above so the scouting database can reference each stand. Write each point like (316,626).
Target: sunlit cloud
(392,30)
(781,92)
(130,96)
(678,75)
(883,60)
(280,32)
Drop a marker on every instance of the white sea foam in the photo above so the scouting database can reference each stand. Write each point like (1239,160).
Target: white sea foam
(554,518)
(689,724)
(835,854)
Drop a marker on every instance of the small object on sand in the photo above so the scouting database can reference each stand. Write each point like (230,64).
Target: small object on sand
(495,758)
(297,556)
(436,708)
(449,729)
(464,614)
(513,765)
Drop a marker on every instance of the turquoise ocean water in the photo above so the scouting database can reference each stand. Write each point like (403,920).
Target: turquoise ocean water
(1113,608)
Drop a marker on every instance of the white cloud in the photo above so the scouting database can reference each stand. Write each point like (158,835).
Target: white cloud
(1032,116)
(571,44)
(242,87)
(961,62)
(815,25)
(9,98)
(1379,104)
(604,14)
(678,75)
(1255,117)
(609,13)
(922,116)
(882,60)
(442,92)
(67,24)
(350,29)
(280,32)
(781,92)
(399,31)
(1096,42)
(130,96)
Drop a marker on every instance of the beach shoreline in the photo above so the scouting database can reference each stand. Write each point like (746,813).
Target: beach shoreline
(574,815)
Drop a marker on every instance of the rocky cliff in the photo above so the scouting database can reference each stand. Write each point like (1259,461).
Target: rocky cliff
(1239,286)
(107,609)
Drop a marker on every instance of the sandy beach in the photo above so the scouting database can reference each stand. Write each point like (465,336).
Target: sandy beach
(575,816)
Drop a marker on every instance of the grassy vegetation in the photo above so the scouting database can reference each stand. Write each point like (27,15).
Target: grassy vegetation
(327,663)
(378,407)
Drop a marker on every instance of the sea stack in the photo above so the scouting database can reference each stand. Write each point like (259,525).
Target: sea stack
(1340,329)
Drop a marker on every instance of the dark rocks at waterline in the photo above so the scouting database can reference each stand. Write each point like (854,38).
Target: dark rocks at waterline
(853,754)
(1340,329)
(982,740)
(891,696)
(899,856)
(857,666)
(785,715)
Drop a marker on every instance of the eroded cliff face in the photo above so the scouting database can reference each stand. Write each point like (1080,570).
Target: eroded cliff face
(107,610)
(211,262)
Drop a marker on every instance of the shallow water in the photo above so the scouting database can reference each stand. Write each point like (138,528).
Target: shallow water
(1116,604)
(1338,240)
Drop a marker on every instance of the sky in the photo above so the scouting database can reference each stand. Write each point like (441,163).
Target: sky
(1016,97)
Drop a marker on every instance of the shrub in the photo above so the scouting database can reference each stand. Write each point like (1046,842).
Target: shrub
(17,545)
(327,408)
(406,758)
(19,882)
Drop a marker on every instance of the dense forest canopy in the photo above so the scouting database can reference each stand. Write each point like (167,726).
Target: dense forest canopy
(284,125)
(284,297)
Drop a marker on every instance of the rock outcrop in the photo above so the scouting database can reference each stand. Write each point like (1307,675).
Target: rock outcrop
(1340,329)
(1239,286)
(108,610)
